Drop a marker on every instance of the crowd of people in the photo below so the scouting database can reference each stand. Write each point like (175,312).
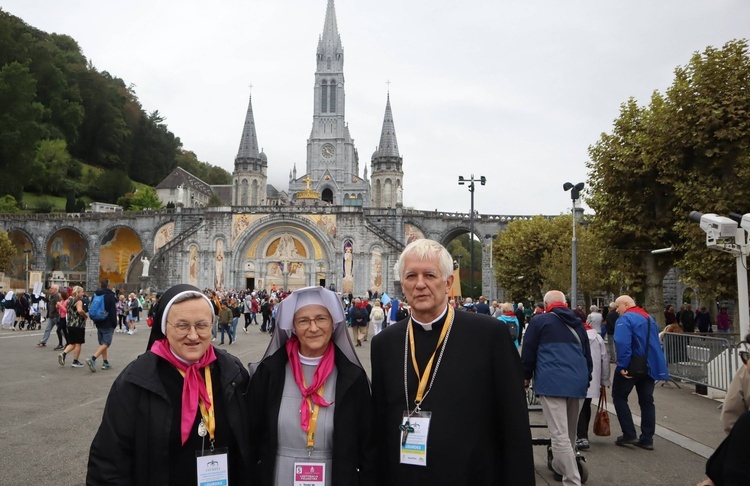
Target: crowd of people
(306,413)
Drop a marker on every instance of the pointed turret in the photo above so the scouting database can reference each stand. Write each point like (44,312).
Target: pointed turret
(250,166)
(388,144)
(387,171)
(249,141)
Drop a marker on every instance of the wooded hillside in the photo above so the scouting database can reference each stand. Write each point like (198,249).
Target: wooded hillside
(58,110)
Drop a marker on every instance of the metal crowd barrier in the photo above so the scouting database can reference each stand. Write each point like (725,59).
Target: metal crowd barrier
(700,359)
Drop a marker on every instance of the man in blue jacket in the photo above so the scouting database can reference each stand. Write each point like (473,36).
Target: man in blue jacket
(105,329)
(556,354)
(631,332)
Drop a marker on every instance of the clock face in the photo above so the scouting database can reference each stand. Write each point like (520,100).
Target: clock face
(327,150)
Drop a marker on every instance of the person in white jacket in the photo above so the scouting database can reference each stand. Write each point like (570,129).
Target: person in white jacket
(599,379)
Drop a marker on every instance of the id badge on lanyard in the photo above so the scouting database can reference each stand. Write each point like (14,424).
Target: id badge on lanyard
(213,467)
(309,473)
(414,430)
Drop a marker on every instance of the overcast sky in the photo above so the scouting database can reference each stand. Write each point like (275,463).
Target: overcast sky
(512,90)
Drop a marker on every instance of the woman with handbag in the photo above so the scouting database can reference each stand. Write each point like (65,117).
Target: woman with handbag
(597,385)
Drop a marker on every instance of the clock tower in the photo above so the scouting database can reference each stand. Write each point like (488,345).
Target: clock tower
(332,161)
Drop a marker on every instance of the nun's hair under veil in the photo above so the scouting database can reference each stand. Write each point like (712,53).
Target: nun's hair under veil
(299,299)
(174,295)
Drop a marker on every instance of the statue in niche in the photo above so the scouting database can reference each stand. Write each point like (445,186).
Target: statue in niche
(348,262)
(219,282)
(146,264)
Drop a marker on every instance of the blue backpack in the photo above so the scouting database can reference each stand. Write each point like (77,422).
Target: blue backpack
(96,309)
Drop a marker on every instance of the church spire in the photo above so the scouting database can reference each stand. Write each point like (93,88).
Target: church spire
(388,144)
(330,52)
(249,141)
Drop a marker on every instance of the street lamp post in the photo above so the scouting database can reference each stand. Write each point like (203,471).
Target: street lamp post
(471,181)
(575,192)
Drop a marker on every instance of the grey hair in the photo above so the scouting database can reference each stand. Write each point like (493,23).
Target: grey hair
(506,307)
(424,249)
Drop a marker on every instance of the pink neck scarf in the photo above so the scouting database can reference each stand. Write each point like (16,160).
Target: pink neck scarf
(319,378)
(193,386)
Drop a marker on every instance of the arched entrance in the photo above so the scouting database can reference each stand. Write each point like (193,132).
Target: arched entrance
(118,248)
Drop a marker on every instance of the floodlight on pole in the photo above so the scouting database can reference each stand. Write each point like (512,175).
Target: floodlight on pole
(575,194)
(461,181)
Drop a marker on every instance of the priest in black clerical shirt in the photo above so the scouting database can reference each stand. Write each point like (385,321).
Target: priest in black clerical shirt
(460,416)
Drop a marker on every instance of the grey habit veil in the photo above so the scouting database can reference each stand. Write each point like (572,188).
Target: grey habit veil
(299,299)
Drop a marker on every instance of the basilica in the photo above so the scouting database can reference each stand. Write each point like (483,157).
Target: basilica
(333,225)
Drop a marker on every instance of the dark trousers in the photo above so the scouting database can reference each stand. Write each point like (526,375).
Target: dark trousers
(247,319)
(583,420)
(228,329)
(644,387)
(62,331)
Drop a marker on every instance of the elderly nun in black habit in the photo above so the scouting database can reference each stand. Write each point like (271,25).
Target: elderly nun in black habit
(310,399)
(177,414)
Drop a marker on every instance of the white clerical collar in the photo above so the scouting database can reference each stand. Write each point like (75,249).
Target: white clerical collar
(309,361)
(428,326)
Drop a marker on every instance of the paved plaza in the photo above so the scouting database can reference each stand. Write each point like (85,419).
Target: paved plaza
(50,415)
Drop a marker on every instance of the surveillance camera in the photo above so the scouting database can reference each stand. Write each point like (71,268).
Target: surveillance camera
(720,230)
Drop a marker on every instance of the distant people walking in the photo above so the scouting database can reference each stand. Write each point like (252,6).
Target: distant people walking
(9,313)
(76,323)
(687,319)
(105,328)
(599,380)
(636,334)
(723,321)
(610,325)
(594,319)
(703,320)
(53,315)
(556,354)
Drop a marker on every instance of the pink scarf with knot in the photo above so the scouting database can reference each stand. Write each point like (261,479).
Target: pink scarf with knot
(319,379)
(193,386)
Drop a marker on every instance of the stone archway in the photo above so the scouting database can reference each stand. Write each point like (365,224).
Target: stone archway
(117,252)
(289,254)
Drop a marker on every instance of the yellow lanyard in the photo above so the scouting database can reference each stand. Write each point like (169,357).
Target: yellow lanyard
(425,378)
(315,409)
(209,420)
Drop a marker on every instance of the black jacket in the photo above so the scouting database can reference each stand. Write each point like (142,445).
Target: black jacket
(131,446)
(353,447)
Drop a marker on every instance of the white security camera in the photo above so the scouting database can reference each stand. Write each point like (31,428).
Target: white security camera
(720,227)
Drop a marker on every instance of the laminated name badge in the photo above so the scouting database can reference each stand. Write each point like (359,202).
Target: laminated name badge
(414,431)
(213,468)
(309,474)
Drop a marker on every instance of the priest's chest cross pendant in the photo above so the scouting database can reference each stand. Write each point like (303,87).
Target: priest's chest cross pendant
(406,428)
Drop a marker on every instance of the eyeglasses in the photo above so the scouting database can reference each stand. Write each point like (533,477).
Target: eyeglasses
(305,322)
(744,356)
(183,328)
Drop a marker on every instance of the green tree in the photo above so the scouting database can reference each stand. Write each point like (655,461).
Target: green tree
(632,204)
(110,185)
(708,158)
(145,199)
(50,168)
(8,204)
(686,150)
(7,251)
(518,253)
(19,126)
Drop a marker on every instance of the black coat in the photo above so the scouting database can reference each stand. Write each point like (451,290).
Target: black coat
(479,432)
(132,444)
(353,448)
